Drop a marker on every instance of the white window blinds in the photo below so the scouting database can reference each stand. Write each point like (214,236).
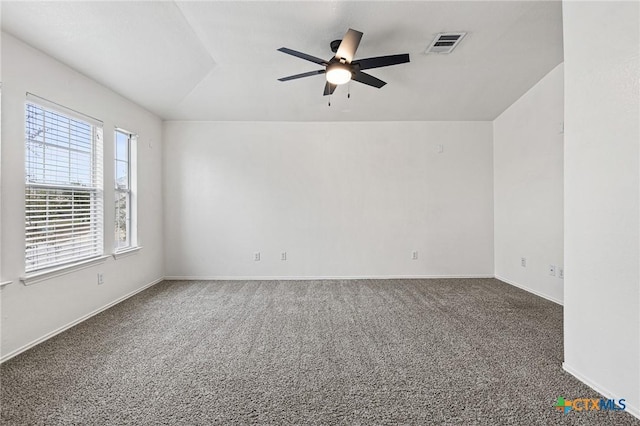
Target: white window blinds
(63,193)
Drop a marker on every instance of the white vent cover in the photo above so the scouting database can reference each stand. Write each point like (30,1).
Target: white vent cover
(445,42)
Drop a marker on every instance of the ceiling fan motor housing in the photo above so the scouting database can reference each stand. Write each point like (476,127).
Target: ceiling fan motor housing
(334,45)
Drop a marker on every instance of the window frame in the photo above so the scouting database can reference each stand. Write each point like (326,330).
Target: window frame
(128,192)
(73,233)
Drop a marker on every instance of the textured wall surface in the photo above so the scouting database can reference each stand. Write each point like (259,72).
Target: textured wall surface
(528,191)
(342,199)
(602,195)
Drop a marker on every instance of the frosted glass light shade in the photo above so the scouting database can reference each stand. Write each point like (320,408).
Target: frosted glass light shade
(338,74)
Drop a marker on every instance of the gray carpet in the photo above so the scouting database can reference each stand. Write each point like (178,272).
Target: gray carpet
(473,351)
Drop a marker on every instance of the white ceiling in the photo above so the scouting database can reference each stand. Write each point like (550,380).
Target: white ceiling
(218,60)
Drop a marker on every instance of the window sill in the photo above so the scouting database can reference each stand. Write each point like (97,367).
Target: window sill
(126,252)
(4,283)
(36,277)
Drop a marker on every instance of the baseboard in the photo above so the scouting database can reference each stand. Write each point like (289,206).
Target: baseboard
(76,322)
(315,278)
(630,408)
(530,290)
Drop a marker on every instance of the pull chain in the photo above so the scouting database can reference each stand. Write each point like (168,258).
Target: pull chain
(349,90)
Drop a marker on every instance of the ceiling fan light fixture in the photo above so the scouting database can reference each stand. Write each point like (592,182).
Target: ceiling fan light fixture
(341,68)
(338,73)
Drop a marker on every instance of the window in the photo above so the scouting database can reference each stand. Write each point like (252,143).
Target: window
(124,206)
(63,191)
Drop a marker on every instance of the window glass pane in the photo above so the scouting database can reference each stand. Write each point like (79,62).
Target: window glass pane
(122,174)
(122,146)
(59,225)
(80,173)
(122,219)
(58,148)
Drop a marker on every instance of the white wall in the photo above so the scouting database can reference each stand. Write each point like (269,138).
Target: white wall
(342,199)
(32,312)
(602,196)
(1,274)
(528,188)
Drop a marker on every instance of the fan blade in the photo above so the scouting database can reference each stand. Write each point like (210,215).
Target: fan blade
(303,56)
(382,61)
(304,74)
(368,79)
(329,88)
(349,45)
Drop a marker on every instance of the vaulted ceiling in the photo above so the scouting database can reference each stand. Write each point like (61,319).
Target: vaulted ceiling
(218,60)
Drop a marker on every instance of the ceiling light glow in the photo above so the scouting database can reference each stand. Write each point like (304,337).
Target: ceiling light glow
(338,73)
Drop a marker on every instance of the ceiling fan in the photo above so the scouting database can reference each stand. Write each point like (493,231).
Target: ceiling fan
(342,68)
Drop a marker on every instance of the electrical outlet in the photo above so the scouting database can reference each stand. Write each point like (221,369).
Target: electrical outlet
(256,256)
(414,255)
(561,273)
(100,278)
(523,262)
(283,255)
(552,270)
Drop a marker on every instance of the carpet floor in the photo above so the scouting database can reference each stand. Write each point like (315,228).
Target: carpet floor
(358,352)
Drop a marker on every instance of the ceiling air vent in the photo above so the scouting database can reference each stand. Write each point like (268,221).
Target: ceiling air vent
(445,42)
